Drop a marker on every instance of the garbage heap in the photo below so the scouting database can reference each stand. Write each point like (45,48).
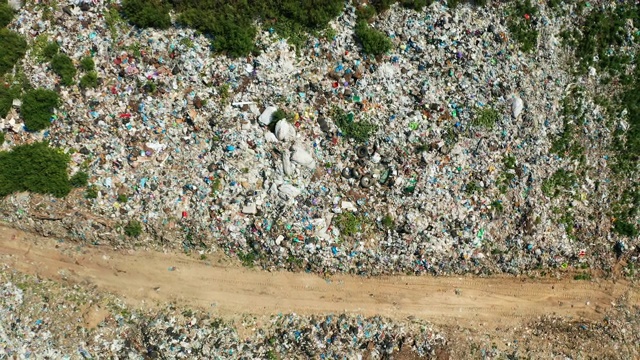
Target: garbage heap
(433,158)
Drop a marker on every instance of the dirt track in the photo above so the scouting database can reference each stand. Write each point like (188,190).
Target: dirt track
(145,277)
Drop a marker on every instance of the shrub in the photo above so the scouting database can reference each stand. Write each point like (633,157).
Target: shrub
(92,192)
(365,13)
(231,35)
(360,131)
(133,228)
(87,64)
(12,50)
(122,198)
(147,13)
(37,108)
(348,224)
(6,14)
(36,168)
(373,42)
(62,65)
(417,5)
(625,228)
(278,115)
(50,50)
(89,80)
(80,179)
(387,221)
(7,94)
(1,138)
(311,14)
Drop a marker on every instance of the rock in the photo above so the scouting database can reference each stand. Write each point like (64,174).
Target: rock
(266,116)
(289,191)
(303,158)
(250,209)
(286,162)
(285,131)
(516,107)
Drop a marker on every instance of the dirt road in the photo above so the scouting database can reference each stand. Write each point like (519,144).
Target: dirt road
(151,277)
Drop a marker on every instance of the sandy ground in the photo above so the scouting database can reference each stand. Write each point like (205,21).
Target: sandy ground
(150,278)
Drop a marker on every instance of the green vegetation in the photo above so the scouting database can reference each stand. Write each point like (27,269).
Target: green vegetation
(223,91)
(349,224)
(122,198)
(278,115)
(582,276)
(248,259)
(6,14)
(1,138)
(7,94)
(147,13)
(486,118)
(91,192)
(87,64)
(63,66)
(387,221)
(133,228)
(89,80)
(560,180)
(566,144)
(360,131)
(13,48)
(521,26)
(37,108)
(36,168)
(508,174)
(50,50)
(373,41)
(79,179)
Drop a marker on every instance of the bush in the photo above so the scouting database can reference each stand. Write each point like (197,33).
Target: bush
(122,198)
(365,13)
(6,14)
(80,179)
(133,228)
(89,80)
(486,118)
(37,108)
(12,50)
(87,64)
(349,224)
(373,42)
(92,192)
(360,131)
(62,65)
(1,138)
(36,168)
(311,14)
(147,13)
(232,35)
(50,50)
(278,115)
(522,29)
(417,5)
(7,94)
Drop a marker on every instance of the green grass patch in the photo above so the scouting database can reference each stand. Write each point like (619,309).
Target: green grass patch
(79,179)
(6,14)
(521,28)
(559,181)
(486,118)
(360,131)
(582,276)
(349,223)
(36,168)
(87,63)
(89,80)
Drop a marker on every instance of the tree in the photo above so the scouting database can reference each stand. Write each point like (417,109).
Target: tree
(35,168)
(13,48)
(373,42)
(6,14)
(147,13)
(37,108)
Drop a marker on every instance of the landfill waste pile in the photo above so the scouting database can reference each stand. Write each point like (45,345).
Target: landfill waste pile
(456,151)
(45,319)
(487,139)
